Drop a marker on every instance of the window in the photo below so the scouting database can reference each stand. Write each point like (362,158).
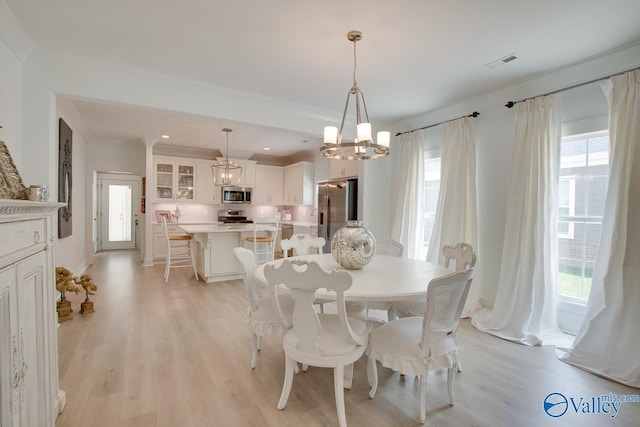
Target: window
(584,173)
(431,191)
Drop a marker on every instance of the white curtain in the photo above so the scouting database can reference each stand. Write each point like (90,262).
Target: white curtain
(608,342)
(525,303)
(456,213)
(407,225)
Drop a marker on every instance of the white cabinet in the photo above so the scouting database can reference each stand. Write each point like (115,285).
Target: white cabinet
(269,185)
(174,179)
(298,184)
(248,175)
(160,241)
(28,322)
(343,168)
(207,192)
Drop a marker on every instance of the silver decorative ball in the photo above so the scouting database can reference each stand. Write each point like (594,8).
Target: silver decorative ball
(353,246)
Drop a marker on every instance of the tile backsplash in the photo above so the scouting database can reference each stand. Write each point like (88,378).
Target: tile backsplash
(192,212)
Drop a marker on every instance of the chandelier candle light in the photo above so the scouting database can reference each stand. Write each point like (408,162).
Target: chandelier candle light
(225,172)
(363,147)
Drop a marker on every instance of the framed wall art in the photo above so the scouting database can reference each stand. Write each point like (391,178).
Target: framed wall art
(160,214)
(11,185)
(65,178)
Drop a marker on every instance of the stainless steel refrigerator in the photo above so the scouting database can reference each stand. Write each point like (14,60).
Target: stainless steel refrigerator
(337,203)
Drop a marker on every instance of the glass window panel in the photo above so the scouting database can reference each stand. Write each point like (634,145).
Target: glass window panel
(120,213)
(431,192)
(581,199)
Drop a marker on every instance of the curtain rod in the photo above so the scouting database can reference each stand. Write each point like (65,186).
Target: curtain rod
(511,104)
(474,115)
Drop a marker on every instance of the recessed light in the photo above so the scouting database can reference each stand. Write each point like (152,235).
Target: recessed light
(164,136)
(266,148)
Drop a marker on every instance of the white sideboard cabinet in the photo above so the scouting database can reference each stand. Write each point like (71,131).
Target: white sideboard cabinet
(28,320)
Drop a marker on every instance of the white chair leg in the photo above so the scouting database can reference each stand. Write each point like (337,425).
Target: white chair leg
(296,369)
(259,342)
(450,375)
(423,397)
(372,376)
(348,376)
(305,367)
(167,265)
(254,349)
(338,385)
(288,380)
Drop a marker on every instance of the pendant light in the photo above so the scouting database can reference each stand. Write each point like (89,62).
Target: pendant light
(364,147)
(225,172)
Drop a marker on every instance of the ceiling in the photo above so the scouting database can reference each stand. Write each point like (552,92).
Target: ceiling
(416,55)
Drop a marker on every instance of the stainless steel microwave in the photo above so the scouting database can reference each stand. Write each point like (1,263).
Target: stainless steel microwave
(236,195)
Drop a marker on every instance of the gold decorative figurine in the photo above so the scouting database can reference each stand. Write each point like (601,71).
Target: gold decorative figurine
(90,288)
(64,283)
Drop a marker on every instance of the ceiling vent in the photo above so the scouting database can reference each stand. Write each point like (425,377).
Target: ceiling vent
(498,62)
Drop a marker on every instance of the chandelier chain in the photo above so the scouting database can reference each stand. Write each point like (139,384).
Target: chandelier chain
(355,62)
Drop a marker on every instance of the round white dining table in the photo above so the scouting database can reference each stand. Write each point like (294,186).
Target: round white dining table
(385,278)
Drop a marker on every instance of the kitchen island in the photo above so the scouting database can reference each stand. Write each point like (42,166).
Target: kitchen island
(215,260)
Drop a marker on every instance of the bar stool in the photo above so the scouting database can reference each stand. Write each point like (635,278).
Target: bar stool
(180,251)
(262,241)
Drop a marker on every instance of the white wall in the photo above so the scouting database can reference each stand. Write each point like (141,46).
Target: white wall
(494,141)
(74,252)
(11,102)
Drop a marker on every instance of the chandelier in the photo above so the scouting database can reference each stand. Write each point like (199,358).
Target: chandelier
(364,147)
(225,172)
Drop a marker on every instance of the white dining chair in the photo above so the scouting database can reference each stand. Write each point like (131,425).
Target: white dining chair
(464,257)
(262,239)
(418,345)
(180,251)
(262,317)
(386,246)
(301,244)
(318,339)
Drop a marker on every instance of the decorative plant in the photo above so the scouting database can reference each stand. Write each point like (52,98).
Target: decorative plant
(65,282)
(87,284)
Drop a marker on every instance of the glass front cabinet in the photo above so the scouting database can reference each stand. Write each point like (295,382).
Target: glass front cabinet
(174,180)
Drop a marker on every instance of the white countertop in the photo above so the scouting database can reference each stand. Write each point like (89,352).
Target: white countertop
(189,223)
(215,228)
(302,223)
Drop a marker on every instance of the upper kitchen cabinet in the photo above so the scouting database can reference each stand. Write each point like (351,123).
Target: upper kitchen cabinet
(175,179)
(269,185)
(207,191)
(298,184)
(343,168)
(248,175)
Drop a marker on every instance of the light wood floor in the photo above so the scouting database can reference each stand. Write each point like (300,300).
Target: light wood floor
(178,355)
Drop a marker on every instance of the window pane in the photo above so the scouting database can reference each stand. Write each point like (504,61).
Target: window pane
(581,198)
(431,191)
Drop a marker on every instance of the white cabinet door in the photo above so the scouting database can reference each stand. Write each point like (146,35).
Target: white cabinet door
(269,188)
(298,184)
(23,322)
(31,284)
(175,179)
(248,175)
(207,192)
(343,168)
(9,369)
